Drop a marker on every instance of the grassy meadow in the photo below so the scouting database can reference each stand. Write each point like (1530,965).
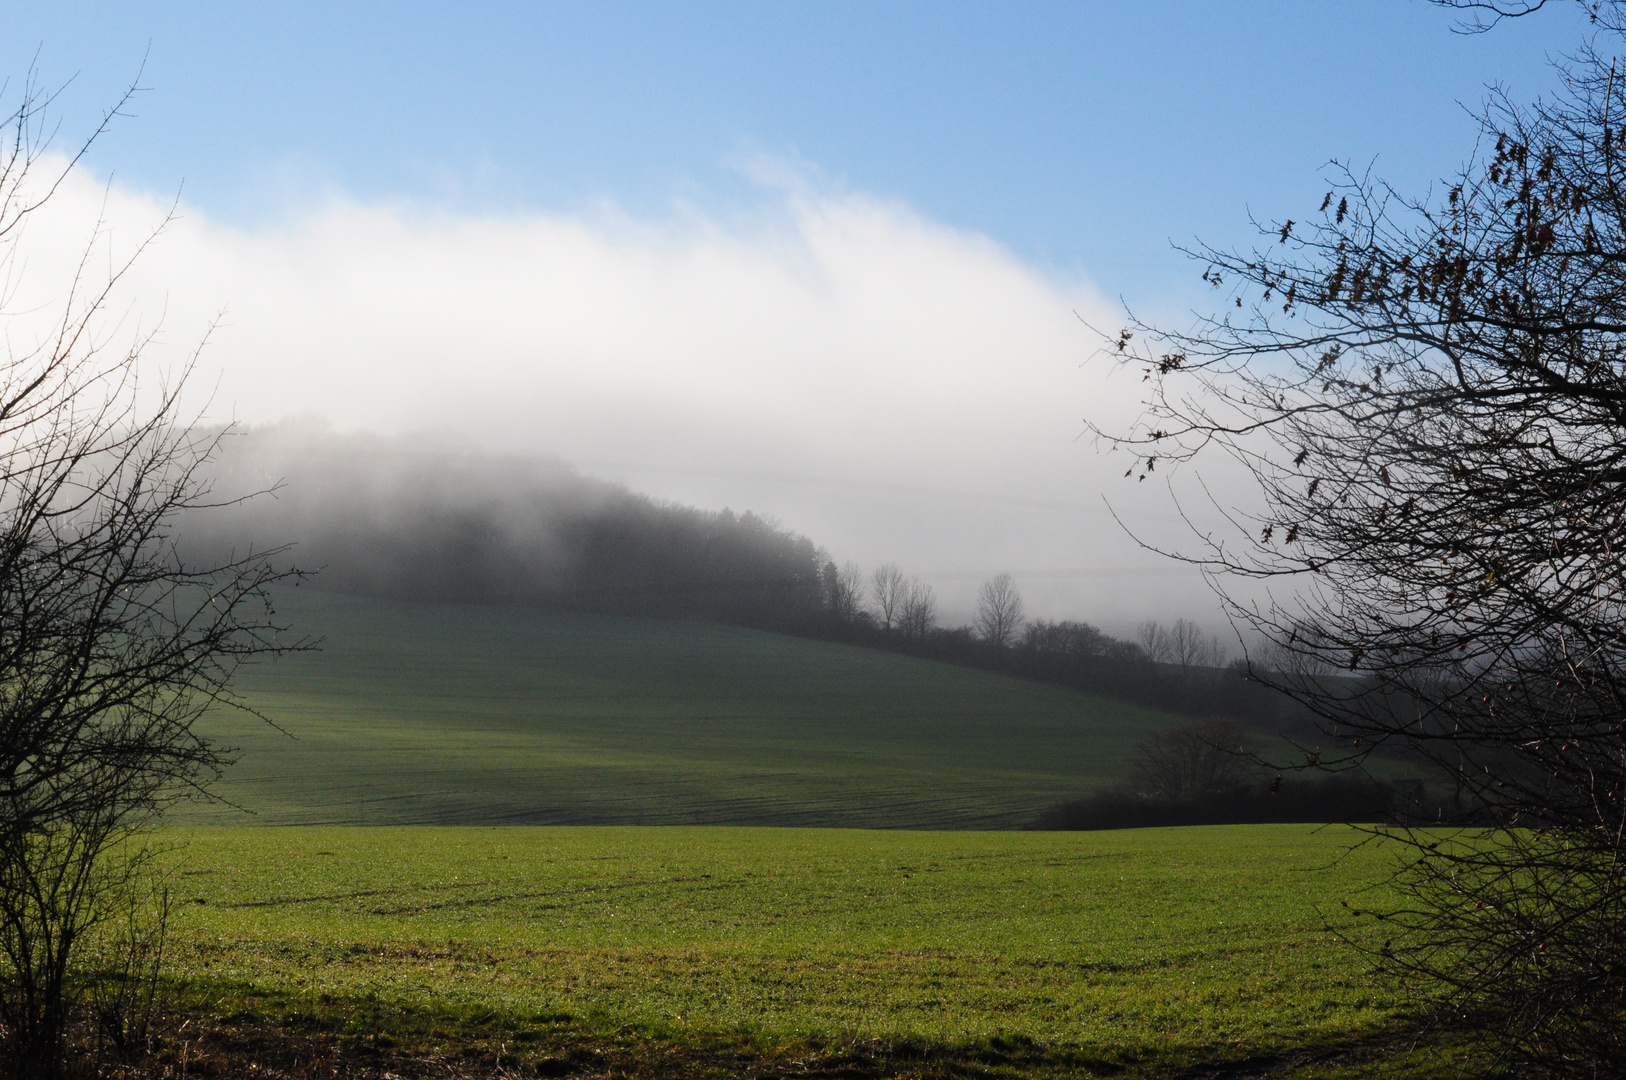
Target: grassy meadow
(1086,954)
(447,714)
(475,865)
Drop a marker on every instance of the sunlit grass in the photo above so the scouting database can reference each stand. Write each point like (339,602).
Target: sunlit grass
(1150,946)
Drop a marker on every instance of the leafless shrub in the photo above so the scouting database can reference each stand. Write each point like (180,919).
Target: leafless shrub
(112,645)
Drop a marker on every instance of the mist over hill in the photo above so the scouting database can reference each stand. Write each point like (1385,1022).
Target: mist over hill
(424,518)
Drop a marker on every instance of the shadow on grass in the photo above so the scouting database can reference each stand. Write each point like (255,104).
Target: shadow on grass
(237,1035)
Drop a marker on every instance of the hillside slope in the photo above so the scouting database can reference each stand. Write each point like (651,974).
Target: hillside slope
(423,713)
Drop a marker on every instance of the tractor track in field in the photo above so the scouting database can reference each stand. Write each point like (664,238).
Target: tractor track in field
(364,894)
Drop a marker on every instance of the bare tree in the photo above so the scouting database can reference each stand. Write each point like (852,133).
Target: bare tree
(887,589)
(1267,657)
(1483,15)
(1430,395)
(999,611)
(1185,643)
(112,645)
(917,612)
(1182,642)
(845,587)
(1189,646)
(1191,760)
(1154,639)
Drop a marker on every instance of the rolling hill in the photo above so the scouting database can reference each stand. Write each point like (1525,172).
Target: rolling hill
(416,713)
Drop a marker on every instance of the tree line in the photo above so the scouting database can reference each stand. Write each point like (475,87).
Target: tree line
(408,519)
(1176,667)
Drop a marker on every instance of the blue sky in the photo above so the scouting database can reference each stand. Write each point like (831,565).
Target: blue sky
(1085,136)
(822,261)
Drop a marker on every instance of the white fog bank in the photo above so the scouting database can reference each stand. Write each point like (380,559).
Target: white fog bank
(896,389)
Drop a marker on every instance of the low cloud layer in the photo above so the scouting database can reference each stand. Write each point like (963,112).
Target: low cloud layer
(895,389)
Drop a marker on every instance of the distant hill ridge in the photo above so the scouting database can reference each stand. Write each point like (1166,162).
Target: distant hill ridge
(415,713)
(416,519)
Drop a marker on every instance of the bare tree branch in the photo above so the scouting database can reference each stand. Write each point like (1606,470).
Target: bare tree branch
(113,644)
(1430,397)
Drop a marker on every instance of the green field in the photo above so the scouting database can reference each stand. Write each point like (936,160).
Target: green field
(707,949)
(446,714)
(1088,953)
